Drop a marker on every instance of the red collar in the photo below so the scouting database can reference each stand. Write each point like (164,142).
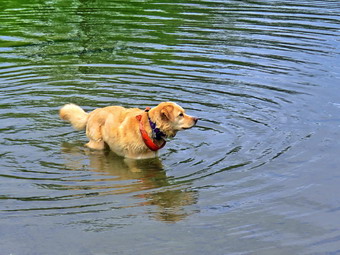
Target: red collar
(146,138)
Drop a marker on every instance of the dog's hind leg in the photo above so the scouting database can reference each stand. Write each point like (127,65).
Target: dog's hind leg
(94,133)
(96,144)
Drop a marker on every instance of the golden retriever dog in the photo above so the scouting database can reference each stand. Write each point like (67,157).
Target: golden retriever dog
(131,133)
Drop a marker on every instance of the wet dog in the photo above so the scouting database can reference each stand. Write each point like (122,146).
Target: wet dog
(129,132)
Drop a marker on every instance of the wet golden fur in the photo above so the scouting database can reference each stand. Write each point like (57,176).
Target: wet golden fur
(118,127)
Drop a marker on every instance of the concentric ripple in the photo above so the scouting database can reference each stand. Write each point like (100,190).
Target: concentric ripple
(248,69)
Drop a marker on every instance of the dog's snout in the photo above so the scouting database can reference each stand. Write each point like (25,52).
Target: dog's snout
(195,119)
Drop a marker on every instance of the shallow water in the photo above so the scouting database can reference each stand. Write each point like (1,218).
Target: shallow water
(258,175)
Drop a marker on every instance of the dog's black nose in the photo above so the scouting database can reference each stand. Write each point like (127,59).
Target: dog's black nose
(196,119)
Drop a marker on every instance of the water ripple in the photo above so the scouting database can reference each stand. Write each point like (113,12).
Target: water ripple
(247,69)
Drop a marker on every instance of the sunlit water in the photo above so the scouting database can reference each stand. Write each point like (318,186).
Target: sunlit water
(258,175)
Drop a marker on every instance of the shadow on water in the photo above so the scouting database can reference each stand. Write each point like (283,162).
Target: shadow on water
(143,179)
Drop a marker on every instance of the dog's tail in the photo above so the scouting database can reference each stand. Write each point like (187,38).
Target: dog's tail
(75,115)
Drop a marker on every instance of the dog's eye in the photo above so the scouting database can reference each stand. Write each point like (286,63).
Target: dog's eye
(181,115)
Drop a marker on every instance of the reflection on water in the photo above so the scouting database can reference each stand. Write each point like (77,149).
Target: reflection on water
(144,177)
(257,173)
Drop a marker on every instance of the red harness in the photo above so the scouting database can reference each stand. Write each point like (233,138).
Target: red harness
(146,138)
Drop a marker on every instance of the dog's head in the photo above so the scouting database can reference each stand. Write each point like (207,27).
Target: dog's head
(171,118)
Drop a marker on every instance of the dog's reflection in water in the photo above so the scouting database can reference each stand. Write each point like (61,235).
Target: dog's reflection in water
(143,177)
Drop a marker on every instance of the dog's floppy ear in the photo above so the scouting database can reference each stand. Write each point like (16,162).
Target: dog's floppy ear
(167,112)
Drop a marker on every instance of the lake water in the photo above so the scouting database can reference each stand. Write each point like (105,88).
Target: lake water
(260,174)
